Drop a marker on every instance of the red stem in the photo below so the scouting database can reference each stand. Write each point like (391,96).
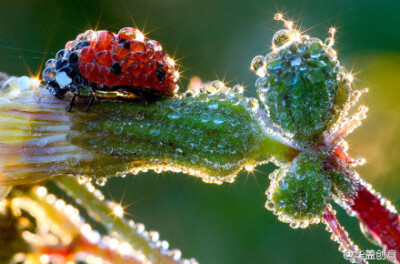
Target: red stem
(379,217)
(350,250)
(376,213)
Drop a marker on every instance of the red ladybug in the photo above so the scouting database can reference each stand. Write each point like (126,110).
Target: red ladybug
(101,61)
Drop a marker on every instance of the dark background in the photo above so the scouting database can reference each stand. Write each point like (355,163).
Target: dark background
(216,39)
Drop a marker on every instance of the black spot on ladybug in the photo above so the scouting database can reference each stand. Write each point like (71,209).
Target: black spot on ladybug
(160,65)
(160,73)
(127,45)
(116,68)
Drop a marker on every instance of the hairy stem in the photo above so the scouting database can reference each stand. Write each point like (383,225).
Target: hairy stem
(81,244)
(211,136)
(339,234)
(72,240)
(379,218)
(102,213)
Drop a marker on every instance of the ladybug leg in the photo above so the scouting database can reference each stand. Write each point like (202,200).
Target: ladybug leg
(91,100)
(71,104)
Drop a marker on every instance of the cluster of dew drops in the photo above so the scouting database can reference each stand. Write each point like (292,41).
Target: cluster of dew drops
(212,94)
(108,242)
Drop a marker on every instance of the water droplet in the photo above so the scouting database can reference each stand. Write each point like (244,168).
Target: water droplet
(302,205)
(238,89)
(367,234)
(258,66)
(269,205)
(222,144)
(154,236)
(304,224)
(101,181)
(50,63)
(235,100)
(179,150)
(51,150)
(289,78)
(174,115)
(217,84)
(253,104)
(218,119)
(315,75)
(261,83)
(24,83)
(213,106)
(139,116)
(295,61)
(109,150)
(281,37)
(274,64)
(42,142)
(49,74)
(281,204)
(155,131)
(283,185)
(301,176)
(315,47)
(205,117)
(118,130)
(195,159)
(176,254)
(327,185)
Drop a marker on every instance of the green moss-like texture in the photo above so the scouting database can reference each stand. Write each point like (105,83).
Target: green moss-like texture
(301,192)
(302,85)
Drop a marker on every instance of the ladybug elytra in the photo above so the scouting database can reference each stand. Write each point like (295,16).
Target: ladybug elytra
(126,63)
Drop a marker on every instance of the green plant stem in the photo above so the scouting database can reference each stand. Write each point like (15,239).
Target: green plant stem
(61,224)
(207,138)
(102,213)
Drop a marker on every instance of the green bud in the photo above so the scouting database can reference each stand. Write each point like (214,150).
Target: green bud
(299,193)
(304,88)
(342,186)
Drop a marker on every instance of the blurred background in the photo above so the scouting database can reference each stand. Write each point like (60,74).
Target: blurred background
(216,39)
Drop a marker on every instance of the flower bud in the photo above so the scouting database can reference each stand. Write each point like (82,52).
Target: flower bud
(304,87)
(212,132)
(299,193)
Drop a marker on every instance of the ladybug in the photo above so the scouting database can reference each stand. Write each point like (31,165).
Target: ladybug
(126,65)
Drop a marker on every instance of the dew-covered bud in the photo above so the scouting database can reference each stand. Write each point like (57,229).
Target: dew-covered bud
(299,193)
(212,132)
(304,88)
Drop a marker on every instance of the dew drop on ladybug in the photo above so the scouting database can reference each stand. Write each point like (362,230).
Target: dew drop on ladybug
(103,61)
